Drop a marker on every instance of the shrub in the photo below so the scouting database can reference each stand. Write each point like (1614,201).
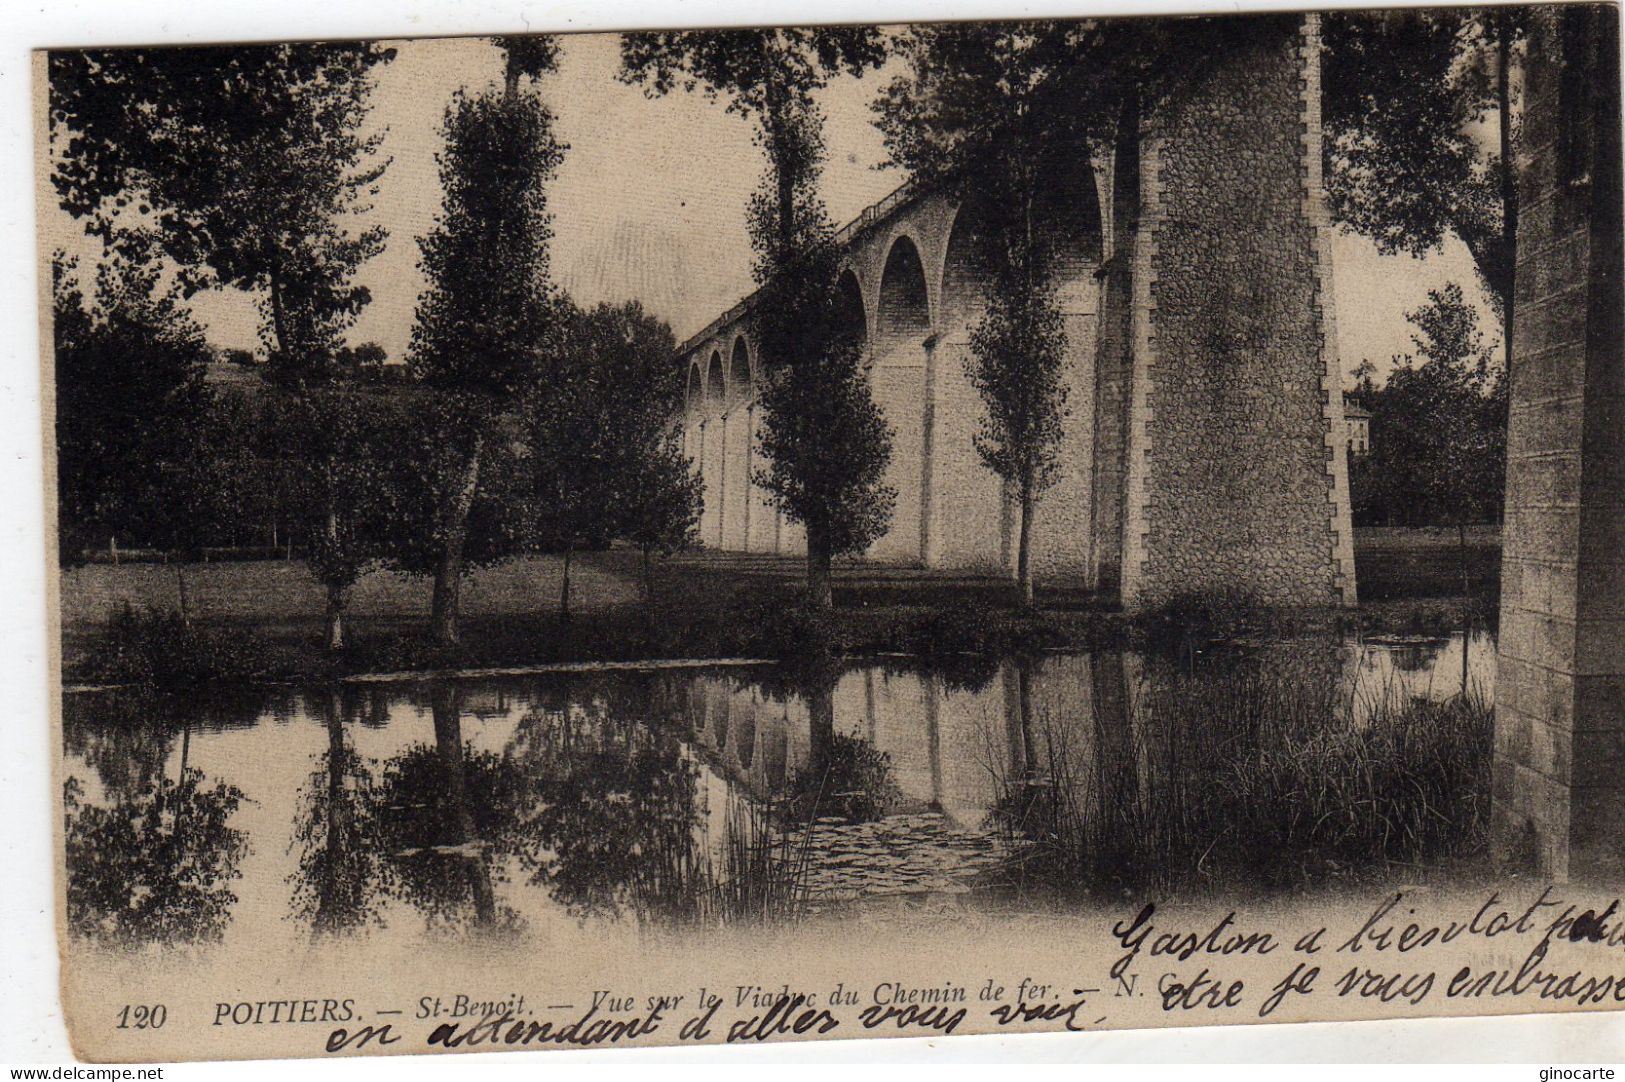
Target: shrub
(158,650)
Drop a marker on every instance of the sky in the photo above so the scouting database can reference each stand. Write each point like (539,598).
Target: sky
(649,203)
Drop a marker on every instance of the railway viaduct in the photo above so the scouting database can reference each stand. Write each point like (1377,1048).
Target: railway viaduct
(1203,448)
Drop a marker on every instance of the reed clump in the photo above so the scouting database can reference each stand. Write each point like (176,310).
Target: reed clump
(1263,774)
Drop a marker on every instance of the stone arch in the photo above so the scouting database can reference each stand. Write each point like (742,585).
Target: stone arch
(716,384)
(970,501)
(850,308)
(966,267)
(1071,213)
(741,383)
(900,376)
(903,307)
(694,396)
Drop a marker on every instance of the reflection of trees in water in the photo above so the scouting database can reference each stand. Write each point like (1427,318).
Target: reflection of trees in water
(845,776)
(338,881)
(446,817)
(127,735)
(154,863)
(622,817)
(615,822)
(429,826)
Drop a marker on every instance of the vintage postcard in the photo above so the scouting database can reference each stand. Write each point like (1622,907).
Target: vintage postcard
(727,536)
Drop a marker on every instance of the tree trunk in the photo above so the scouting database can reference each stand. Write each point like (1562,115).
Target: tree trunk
(564,587)
(335,616)
(1024,569)
(181,595)
(279,315)
(329,917)
(448,737)
(448,576)
(819,593)
(335,590)
(648,577)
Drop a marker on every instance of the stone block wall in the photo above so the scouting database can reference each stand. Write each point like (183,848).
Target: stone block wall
(1234,461)
(971,520)
(1559,774)
(898,383)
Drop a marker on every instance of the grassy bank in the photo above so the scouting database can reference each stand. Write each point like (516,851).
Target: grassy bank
(263,619)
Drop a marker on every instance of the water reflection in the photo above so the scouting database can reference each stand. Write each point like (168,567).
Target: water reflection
(151,857)
(522,808)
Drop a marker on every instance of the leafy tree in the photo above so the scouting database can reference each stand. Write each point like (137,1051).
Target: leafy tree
(603,438)
(131,408)
(825,440)
(1405,95)
(1438,453)
(360,362)
(249,160)
(986,112)
(660,513)
(347,486)
(487,318)
(1365,384)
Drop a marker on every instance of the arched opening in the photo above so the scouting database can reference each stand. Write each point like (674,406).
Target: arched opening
(903,317)
(740,383)
(738,437)
(967,271)
(713,465)
(716,386)
(970,503)
(1069,207)
(902,381)
(694,398)
(849,307)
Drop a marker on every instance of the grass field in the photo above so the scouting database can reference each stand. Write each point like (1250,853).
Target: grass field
(706,605)
(1392,562)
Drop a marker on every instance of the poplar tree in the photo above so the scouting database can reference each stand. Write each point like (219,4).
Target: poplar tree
(985,114)
(486,322)
(824,439)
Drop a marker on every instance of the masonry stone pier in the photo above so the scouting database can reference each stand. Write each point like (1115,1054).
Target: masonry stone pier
(1560,683)
(1202,449)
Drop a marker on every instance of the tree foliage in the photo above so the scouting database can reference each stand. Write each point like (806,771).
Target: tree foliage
(984,114)
(1438,428)
(346,489)
(825,440)
(132,448)
(154,867)
(602,437)
(248,159)
(1405,99)
(487,322)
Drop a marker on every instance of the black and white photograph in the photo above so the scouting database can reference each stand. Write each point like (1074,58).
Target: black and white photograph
(704,536)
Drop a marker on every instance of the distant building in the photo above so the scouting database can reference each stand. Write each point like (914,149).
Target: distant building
(1357,420)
